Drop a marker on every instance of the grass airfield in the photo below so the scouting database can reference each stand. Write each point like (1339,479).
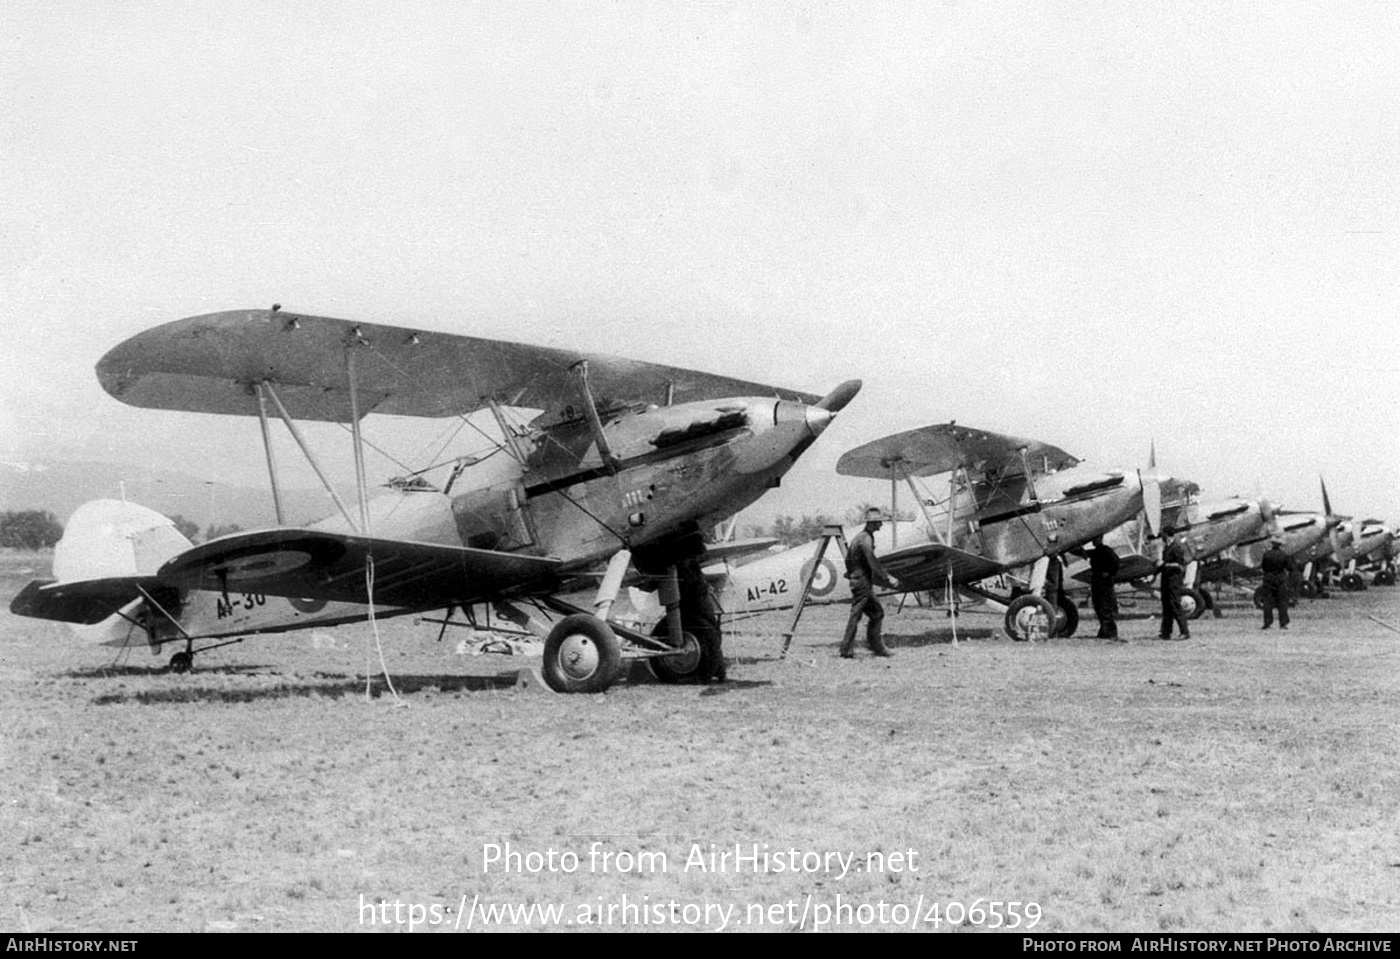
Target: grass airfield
(1239,781)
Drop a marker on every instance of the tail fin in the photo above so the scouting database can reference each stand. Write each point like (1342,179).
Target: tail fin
(105,565)
(1152,501)
(106,538)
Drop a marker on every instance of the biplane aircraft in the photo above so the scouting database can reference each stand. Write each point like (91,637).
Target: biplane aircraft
(1204,529)
(1002,502)
(1302,534)
(1382,558)
(1356,543)
(608,461)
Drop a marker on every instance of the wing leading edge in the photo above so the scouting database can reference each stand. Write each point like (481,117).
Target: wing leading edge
(930,450)
(927,566)
(211,363)
(312,564)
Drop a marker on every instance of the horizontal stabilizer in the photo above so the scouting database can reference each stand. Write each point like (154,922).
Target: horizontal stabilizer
(82,602)
(930,450)
(317,565)
(212,363)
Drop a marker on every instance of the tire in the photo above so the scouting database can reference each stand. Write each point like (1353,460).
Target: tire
(1259,598)
(1385,577)
(1068,620)
(1353,583)
(1307,589)
(181,663)
(581,655)
(1029,618)
(1207,598)
(1189,602)
(695,664)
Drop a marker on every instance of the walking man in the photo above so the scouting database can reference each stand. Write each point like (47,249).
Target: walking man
(1173,580)
(1278,569)
(864,571)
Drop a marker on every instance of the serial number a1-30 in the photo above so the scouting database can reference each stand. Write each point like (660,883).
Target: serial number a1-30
(227,607)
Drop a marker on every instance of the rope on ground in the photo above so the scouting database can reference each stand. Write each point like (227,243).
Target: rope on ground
(1383,623)
(378,644)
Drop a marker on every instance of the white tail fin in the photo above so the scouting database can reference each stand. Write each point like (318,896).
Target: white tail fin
(106,538)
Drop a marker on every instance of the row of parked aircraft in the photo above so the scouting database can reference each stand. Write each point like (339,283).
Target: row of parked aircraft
(608,470)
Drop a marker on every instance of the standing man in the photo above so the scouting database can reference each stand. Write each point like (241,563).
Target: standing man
(1103,571)
(1173,579)
(700,614)
(1278,569)
(864,571)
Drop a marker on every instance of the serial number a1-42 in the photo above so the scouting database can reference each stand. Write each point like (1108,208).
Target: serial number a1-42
(774,588)
(227,606)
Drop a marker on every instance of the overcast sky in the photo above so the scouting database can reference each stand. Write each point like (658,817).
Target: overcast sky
(1097,224)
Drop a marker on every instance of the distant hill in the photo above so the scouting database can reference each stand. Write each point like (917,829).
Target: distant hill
(62,486)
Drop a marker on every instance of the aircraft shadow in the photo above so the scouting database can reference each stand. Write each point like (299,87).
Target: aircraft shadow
(330,686)
(117,672)
(640,675)
(734,686)
(935,637)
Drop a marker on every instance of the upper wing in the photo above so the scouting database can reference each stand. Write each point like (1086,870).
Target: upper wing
(209,364)
(310,564)
(927,566)
(83,602)
(930,450)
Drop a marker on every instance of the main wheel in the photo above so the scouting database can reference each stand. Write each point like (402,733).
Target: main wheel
(1068,619)
(693,663)
(1189,602)
(1307,589)
(1385,577)
(1030,618)
(181,663)
(581,655)
(1259,598)
(1353,583)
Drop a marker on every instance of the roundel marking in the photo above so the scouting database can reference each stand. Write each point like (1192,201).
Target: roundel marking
(825,580)
(261,565)
(307,605)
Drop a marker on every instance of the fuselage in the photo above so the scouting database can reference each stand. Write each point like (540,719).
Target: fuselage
(1299,533)
(1367,540)
(1218,525)
(1069,508)
(664,469)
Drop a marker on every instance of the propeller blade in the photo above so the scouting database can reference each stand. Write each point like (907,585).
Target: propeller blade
(1269,513)
(836,400)
(1151,501)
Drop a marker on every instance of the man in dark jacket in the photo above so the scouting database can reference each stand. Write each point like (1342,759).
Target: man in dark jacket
(1278,569)
(1103,570)
(864,571)
(1173,581)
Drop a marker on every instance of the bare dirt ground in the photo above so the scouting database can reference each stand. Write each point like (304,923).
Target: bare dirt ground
(1239,781)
